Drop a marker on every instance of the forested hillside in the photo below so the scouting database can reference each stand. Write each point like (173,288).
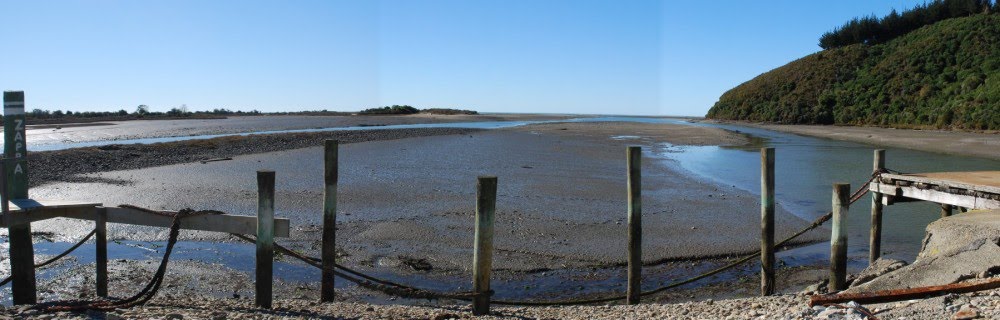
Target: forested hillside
(945,74)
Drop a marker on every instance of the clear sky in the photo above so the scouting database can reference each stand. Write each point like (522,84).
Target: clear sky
(552,56)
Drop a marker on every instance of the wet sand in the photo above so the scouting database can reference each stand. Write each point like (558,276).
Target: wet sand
(984,145)
(138,129)
(561,204)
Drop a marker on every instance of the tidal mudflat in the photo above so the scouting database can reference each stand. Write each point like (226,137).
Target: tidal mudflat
(406,209)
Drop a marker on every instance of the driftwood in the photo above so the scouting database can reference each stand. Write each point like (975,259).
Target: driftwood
(904,294)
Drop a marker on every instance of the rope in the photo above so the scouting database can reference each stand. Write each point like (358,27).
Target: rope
(151,288)
(57,257)
(369,282)
(392,288)
(373,283)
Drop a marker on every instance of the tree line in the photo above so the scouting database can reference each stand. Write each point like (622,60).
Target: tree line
(873,30)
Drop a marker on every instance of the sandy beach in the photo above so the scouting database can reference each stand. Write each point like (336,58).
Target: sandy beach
(984,145)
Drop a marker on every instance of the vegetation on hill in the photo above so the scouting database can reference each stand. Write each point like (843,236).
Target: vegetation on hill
(405,109)
(447,111)
(945,75)
(394,109)
(872,30)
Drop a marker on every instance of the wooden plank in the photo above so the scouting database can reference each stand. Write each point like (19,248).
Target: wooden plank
(482,254)
(216,223)
(37,204)
(22,217)
(875,236)
(767,221)
(329,246)
(838,236)
(985,181)
(932,195)
(265,239)
(15,180)
(634,173)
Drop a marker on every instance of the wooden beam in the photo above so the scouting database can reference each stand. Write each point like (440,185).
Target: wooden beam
(634,175)
(932,195)
(482,254)
(875,236)
(101,251)
(329,246)
(15,180)
(766,221)
(838,237)
(944,182)
(215,223)
(265,239)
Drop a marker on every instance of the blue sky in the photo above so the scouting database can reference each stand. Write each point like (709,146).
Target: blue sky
(552,56)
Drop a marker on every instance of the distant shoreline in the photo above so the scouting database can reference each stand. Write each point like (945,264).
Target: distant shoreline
(966,143)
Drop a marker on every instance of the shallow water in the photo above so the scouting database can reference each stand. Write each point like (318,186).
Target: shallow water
(806,167)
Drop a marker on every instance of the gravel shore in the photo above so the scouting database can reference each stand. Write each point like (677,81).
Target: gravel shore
(978,305)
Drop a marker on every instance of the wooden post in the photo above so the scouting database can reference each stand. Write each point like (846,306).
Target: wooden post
(329,249)
(838,237)
(101,248)
(766,221)
(634,159)
(265,237)
(946,210)
(875,236)
(22,254)
(482,256)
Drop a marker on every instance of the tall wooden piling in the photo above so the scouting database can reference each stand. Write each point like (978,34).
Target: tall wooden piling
(265,237)
(875,236)
(634,159)
(329,250)
(766,221)
(838,237)
(22,256)
(482,255)
(101,251)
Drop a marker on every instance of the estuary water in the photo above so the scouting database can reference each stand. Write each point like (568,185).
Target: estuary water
(806,168)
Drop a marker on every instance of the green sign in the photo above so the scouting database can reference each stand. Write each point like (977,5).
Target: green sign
(14,144)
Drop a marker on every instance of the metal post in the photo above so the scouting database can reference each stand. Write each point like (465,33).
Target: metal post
(634,159)
(875,236)
(265,238)
(22,255)
(482,256)
(329,248)
(838,236)
(766,221)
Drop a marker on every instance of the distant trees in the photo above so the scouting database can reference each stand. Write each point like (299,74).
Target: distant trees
(394,109)
(872,30)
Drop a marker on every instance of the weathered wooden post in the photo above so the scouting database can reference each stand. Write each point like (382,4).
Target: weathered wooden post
(766,221)
(22,255)
(329,248)
(946,210)
(265,237)
(875,236)
(838,237)
(634,159)
(101,248)
(482,256)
